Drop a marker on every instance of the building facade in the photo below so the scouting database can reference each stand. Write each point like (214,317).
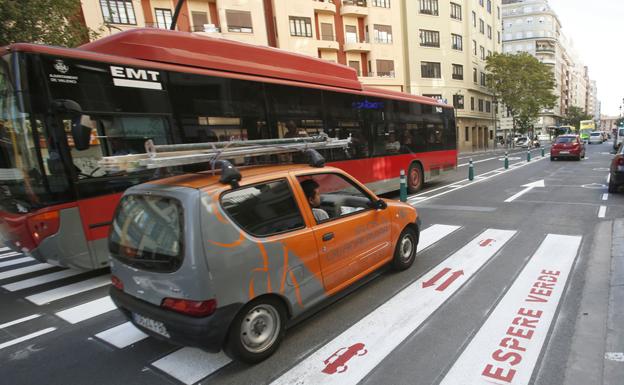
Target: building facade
(447,45)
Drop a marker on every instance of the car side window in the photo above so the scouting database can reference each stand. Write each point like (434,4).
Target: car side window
(332,196)
(263,209)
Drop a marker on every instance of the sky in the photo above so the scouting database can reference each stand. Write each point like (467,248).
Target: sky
(595,27)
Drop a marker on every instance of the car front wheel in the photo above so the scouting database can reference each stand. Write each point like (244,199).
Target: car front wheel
(405,251)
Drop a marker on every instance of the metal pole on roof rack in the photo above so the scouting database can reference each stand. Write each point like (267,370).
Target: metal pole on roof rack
(237,143)
(176,13)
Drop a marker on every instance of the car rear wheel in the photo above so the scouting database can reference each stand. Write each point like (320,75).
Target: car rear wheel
(256,331)
(414,178)
(405,251)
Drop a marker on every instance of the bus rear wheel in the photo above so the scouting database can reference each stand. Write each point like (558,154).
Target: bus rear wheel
(414,178)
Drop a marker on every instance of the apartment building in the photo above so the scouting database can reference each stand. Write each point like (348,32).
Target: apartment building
(447,45)
(363,34)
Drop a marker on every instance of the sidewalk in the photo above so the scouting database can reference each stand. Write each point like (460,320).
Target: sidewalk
(614,346)
(497,151)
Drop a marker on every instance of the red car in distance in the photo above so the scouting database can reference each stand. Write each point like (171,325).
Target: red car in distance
(567,146)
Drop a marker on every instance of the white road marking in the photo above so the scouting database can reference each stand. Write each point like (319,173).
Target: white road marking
(122,335)
(11,254)
(433,234)
(16,261)
(24,270)
(66,291)
(26,338)
(3,249)
(602,211)
(40,280)
(190,365)
(529,187)
(87,310)
(348,358)
(475,162)
(19,321)
(506,348)
(615,356)
(605,196)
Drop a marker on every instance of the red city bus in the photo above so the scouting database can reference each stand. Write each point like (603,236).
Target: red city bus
(62,110)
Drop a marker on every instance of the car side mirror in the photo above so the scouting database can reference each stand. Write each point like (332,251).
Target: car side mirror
(380,204)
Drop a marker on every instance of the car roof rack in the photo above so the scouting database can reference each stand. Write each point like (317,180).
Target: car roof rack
(169,155)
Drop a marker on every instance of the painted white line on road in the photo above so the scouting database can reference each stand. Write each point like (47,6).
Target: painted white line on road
(69,290)
(19,321)
(605,196)
(40,280)
(506,348)
(614,356)
(529,187)
(433,234)
(122,335)
(7,255)
(26,338)
(602,211)
(24,270)
(476,161)
(349,358)
(16,261)
(87,310)
(3,249)
(190,365)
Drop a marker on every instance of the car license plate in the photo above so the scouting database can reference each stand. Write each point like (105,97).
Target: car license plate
(564,152)
(148,323)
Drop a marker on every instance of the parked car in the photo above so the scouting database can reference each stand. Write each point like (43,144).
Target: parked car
(226,261)
(618,138)
(595,137)
(567,146)
(616,178)
(523,142)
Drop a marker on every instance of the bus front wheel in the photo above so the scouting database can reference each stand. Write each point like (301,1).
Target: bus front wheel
(414,178)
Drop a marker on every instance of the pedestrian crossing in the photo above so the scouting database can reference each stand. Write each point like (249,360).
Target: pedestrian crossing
(367,340)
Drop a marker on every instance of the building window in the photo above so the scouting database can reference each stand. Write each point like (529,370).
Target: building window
(456,11)
(118,12)
(467,133)
(488,106)
(482,50)
(489,53)
(474,47)
(163,18)
(489,32)
(472,103)
(481,26)
(474,19)
(498,36)
(429,38)
(200,19)
(381,3)
(238,21)
(474,75)
(456,42)
(458,72)
(382,34)
(351,34)
(498,12)
(327,31)
(481,3)
(429,7)
(430,70)
(458,102)
(483,78)
(355,65)
(480,105)
(489,6)
(300,26)
(385,68)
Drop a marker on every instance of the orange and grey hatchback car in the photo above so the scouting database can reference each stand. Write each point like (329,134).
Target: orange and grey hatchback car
(201,261)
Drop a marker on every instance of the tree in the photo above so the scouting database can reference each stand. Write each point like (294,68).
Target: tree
(53,22)
(574,117)
(523,84)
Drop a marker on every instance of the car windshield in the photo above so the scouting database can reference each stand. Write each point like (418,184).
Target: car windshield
(565,140)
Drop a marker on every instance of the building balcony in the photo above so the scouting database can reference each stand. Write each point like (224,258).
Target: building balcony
(387,74)
(539,49)
(549,61)
(354,8)
(207,30)
(327,43)
(355,46)
(324,6)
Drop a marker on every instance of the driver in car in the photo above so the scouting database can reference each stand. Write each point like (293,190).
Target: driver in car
(311,190)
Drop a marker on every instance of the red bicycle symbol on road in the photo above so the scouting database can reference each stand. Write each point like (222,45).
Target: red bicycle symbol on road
(337,362)
(487,242)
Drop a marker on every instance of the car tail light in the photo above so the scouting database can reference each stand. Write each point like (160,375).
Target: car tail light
(619,160)
(43,225)
(117,282)
(192,308)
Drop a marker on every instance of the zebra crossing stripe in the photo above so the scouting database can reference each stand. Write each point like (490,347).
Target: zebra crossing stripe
(16,261)
(8,255)
(26,338)
(348,358)
(3,249)
(122,335)
(69,290)
(506,348)
(433,234)
(190,365)
(24,270)
(87,310)
(19,321)
(40,280)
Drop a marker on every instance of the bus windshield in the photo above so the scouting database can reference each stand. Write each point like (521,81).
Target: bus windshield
(23,183)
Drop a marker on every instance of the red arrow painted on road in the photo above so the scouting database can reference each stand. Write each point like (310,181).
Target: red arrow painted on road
(450,280)
(436,277)
(487,242)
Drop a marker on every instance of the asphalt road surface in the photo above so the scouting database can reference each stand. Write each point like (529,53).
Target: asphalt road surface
(518,280)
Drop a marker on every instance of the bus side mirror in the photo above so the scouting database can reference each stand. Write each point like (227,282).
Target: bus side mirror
(67,108)
(81,134)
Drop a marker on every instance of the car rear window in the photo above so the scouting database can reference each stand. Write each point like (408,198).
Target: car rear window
(565,140)
(595,134)
(147,233)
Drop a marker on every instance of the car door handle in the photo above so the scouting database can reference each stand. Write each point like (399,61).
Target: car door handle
(328,237)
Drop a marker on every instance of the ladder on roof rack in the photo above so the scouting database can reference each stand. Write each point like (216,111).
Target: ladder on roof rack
(168,155)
